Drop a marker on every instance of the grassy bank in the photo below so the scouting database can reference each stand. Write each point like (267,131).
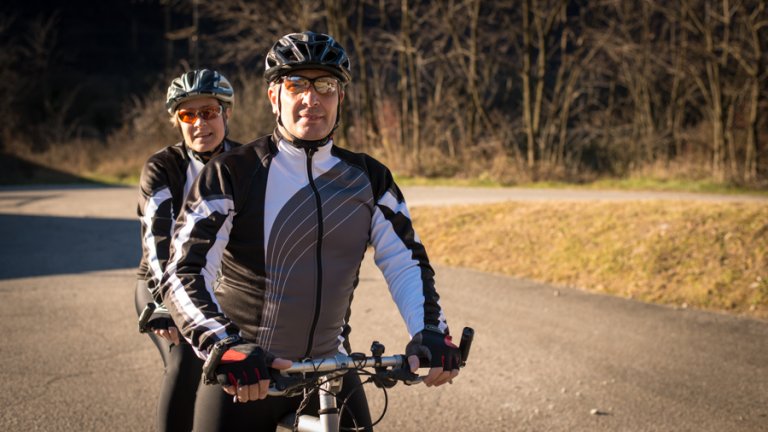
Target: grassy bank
(687,254)
(633,183)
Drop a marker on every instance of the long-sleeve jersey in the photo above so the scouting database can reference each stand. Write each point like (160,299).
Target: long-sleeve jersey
(165,180)
(288,228)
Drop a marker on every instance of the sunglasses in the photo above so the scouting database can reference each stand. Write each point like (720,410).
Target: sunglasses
(324,85)
(206,113)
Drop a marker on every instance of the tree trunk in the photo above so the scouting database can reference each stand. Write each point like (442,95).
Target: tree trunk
(411,88)
(525,74)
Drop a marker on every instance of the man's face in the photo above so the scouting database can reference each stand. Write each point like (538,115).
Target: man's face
(202,135)
(307,114)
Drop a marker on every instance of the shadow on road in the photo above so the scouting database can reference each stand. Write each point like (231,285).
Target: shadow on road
(17,171)
(49,245)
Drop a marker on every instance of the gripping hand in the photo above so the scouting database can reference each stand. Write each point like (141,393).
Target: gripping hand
(434,350)
(155,317)
(243,364)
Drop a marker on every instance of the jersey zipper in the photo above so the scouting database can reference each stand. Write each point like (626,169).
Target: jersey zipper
(318,250)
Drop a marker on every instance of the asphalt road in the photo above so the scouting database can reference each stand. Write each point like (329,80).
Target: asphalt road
(544,358)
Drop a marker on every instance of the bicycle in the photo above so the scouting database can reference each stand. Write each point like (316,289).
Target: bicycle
(325,376)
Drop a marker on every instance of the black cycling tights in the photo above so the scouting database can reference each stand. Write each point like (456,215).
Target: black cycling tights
(215,410)
(180,380)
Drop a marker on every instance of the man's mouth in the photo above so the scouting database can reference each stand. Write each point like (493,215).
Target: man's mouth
(311,116)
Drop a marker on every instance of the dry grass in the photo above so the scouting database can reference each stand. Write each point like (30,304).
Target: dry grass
(702,255)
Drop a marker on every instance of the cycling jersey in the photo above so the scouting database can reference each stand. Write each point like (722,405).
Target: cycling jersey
(165,180)
(288,227)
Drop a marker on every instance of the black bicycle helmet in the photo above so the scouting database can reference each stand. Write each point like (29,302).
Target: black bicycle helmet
(199,83)
(307,50)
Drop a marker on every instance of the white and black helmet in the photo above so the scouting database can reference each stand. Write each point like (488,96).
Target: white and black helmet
(307,50)
(199,83)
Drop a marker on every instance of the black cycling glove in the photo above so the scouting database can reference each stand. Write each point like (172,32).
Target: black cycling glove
(155,317)
(434,349)
(244,364)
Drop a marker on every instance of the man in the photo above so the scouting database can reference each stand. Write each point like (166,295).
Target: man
(288,218)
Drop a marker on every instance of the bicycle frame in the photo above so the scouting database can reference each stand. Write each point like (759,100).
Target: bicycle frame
(329,416)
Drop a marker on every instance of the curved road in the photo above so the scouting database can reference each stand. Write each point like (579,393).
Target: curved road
(544,358)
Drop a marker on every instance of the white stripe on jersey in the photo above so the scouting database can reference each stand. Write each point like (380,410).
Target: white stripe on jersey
(150,210)
(400,270)
(179,295)
(391,255)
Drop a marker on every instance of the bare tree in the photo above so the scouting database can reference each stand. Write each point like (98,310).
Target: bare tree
(9,79)
(752,58)
(713,30)
(246,30)
(608,85)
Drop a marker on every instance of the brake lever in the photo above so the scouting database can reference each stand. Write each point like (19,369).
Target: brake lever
(146,314)
(405,376)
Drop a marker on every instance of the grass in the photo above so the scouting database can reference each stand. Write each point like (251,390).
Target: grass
(678,185)
(443,181)
(634,183)
(688,254)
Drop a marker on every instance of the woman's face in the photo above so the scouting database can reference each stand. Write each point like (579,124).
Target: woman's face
(199,134)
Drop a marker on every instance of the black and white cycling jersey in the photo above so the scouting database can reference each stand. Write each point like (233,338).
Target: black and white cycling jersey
(165,180)
(288,228)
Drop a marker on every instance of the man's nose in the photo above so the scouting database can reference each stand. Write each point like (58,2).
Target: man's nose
(310,96)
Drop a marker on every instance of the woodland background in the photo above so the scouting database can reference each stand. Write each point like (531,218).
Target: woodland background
(509,91)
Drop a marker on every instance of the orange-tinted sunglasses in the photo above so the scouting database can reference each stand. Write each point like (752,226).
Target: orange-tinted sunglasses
(206,113)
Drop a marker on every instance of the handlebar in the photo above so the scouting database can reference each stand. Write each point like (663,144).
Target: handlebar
(291,381)
(388,370)
(342,362)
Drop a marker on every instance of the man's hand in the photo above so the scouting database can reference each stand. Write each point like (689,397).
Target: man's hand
(435,350)
(243,371)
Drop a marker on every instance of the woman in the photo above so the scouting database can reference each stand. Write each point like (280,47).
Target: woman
(200,102)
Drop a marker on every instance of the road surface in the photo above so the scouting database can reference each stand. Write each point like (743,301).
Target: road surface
(544,358)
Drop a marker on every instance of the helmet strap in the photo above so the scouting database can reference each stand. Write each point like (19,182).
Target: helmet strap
(224,117)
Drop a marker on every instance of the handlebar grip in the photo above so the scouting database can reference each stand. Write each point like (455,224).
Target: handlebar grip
(466,343)
(215,355)
(144,317)
(211,363)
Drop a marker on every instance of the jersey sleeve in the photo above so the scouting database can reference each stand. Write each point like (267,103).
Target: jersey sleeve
(197,247)
(155,211)
(403,260)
